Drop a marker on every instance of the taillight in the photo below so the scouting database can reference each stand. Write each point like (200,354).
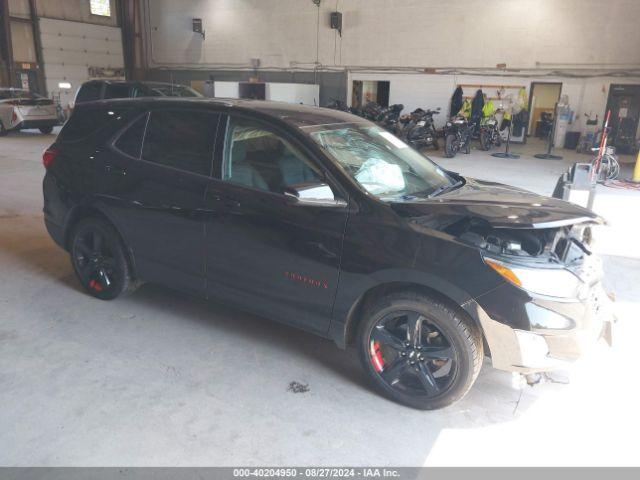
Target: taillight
(14,116)
(49,156)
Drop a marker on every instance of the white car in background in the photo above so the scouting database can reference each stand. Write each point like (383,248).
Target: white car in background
(20,109)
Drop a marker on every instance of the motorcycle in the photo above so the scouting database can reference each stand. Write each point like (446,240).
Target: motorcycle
(337,104)
(372,111)
(389,116)
(457,136)
(418,128)
(490,134)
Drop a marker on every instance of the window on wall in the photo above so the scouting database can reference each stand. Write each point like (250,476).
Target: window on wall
(100,7)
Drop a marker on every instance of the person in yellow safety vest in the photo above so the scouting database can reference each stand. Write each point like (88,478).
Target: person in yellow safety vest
(488,110)
(465,111)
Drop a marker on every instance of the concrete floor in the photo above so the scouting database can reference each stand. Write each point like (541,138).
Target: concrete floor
(159,378)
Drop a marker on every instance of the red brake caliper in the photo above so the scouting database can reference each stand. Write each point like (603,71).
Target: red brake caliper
(95,285)
(376,357)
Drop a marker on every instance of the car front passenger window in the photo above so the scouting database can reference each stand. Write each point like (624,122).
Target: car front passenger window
(258,158)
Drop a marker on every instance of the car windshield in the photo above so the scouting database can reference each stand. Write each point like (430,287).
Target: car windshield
(18,94)
(380,162)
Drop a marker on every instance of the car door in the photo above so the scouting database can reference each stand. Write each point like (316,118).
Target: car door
(159,203)
(275,229)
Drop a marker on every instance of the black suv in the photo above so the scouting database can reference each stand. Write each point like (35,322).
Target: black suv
(109,89)
(325,221)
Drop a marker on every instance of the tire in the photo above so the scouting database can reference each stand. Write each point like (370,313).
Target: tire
(46,130)
(485,140)
(447,355)
(435,144)
(449,146)
(99,260)
(467,147)
(3,131)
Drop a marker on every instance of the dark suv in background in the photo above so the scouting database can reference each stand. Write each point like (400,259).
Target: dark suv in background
(109,89)
(325,221)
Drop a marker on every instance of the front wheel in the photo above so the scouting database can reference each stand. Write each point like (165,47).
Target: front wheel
(46,130)
(99,259)
(418,351)
(450,146)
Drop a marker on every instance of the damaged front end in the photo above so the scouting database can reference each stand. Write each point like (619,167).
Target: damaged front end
(550,305)
(566,245)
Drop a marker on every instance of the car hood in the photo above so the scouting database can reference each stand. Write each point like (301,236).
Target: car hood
(502,206)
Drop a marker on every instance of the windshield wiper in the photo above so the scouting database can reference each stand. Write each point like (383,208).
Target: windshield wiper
(432,193)
(445,188)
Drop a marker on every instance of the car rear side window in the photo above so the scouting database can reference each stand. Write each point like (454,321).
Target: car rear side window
(89,92)
(181,139)
(87,121)
(130,142)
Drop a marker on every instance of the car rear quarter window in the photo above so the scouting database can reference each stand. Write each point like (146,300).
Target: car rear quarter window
(181,139)
(130,141)
(87,121)
(89,92)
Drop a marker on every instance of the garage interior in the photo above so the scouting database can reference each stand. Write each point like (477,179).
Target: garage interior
(162,379)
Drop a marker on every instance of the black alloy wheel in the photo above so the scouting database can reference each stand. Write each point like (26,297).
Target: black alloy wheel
(419,351)
(99,259)
(411,354)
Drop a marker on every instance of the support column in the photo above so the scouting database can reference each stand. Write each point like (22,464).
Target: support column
(5,45)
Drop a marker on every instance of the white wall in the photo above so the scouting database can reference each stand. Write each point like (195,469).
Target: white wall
(404,33)
(421,90)
(536,36)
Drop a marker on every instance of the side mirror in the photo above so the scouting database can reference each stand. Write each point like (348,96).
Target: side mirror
(318,194)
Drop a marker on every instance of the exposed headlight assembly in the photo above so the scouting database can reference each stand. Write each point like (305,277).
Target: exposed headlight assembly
(550,282)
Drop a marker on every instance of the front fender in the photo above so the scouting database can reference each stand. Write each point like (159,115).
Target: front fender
(352,289)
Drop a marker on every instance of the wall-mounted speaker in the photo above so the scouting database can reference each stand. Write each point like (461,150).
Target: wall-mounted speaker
(336,21)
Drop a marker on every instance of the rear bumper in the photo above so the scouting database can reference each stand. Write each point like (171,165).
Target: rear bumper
(557,333)
(40,123)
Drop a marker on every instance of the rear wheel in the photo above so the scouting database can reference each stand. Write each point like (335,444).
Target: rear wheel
(450,146)
(435,145)
(418,351)
(3,131)
(99,259)
(46,130)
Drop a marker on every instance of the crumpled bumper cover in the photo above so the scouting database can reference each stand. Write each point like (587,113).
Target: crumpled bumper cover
(552,333)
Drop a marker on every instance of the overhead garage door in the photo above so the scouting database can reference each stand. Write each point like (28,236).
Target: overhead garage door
(71,49)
